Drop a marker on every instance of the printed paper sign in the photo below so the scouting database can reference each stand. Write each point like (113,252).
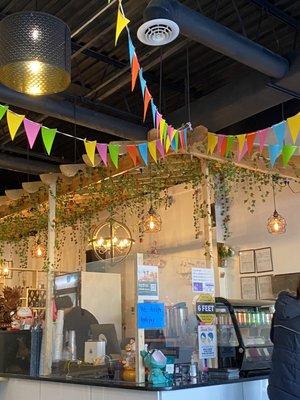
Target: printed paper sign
(205,308)
(151,315)
(147,282)
(203,280)
(207,337)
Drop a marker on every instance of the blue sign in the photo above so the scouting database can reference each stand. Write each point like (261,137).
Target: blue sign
(151,315)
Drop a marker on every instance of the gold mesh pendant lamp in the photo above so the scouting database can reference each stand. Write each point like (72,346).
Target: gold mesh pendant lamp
(35,53)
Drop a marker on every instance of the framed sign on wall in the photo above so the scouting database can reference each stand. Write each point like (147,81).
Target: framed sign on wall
(248,288)
(247,261)
(263,260)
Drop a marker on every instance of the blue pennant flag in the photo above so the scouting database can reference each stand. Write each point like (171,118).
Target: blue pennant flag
(274,152)
(279,130)
(185,136)
(143,149)
(142,81)
(131,49)
(153,110)
(173,144)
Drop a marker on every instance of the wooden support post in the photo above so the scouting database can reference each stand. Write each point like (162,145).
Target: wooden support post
(48,330)
(139,333)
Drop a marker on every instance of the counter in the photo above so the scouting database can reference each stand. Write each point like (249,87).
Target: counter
(61,388)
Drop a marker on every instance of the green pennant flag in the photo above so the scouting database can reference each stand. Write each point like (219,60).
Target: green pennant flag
(165,132)
(230,140)
(114,154)
(287,152)
(3,110)
(176,137)
(48,136)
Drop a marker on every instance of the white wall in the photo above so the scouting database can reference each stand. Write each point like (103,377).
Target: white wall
(249,231)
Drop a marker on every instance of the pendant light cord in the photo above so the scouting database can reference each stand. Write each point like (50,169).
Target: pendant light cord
(274,199)
(160,79)
(188,100)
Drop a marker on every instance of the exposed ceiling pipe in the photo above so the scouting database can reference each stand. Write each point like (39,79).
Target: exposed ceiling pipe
(26,166)
(64,110)
(210,33)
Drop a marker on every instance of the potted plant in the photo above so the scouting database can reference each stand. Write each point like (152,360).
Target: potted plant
(224,252)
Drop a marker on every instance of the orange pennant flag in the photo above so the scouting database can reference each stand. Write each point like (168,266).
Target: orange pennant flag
(122,22)
(152,150)
(135,67)
(13,121)
(133,153)
(147,98)
(223,147)
(250,141)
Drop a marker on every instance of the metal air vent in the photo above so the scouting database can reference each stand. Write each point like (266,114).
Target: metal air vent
(158,32)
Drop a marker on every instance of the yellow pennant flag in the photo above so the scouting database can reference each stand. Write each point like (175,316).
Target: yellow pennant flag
(212,141)
(152,150)
(294,126)
(241,140)
(167,143)
(90,148)
(122,22)
(162,129)
(13,121)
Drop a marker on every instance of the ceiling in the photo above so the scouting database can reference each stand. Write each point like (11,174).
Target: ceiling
(101,73)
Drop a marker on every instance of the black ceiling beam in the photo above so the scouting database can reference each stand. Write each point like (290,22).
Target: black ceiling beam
(277,13)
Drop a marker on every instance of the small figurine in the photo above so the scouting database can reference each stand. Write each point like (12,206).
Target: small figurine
(155,361)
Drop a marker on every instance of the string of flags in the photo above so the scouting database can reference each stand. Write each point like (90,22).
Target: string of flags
(285,131)
(107,151)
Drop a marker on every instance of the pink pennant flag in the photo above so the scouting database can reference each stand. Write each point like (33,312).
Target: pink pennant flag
(262,137)
(32,130)
(102,150)
(220,143)
(160,148)
(242,154)
(171,132)
(158,119)
(181,137)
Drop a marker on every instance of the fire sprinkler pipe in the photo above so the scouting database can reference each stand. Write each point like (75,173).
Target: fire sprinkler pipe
(210,33)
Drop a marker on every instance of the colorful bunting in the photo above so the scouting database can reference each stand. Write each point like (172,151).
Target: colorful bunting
(48,136)
(212,141)
(122,22)
(142,82)
(90,148)
(3,110)
(133,153)
(113,150)
(294,126)
(158,119)
(131,49)
(174,143)
(135,67)
(262,137)
(160,148)
(167,144)
(143,149)
(153,111)
(223,147)
(171,132)
(250,141)
(279,131)
(241,154)
(220,142)
(162,127)
(13,121)
(241,141)
(152,150)
(32,130)
(229,145)
(274,152)
(102,150)
(147,98)
(287,152)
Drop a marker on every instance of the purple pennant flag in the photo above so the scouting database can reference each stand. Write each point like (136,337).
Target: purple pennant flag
(242,154)
(32,129)
(160,148)
(262,137)
(102,150)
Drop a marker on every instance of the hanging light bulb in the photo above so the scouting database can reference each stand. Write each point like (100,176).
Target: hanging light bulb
(276,224)
(39,250)
(152,223)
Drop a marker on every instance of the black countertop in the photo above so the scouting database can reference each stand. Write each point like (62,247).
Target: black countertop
(132,385)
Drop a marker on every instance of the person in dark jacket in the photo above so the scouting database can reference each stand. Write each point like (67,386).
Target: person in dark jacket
(284,380)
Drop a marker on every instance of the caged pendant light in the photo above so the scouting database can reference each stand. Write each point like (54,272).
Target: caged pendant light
(276,224)
(35,53)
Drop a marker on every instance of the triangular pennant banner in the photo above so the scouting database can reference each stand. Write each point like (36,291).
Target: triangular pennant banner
(287,152)
(32,130)
(167,144)
(143,149)
(158,119)
(147,98)
(279,131)
(114,153)
(185,136)
(135,67)
(241,154)
(223,147)
(250,141)
(90,148)
(162,126)
(294,126)
(174,143)
(3,110)
(262,137)
(160,148)
(241,141)
(48,136)
(274,152)
(182,139)
(152,150)
(220,142)
(170,132)
(122,22)
(229,144)
(13,121)
(102,150)
(142,82)
(212,141)
(153,111)
(133,153)
(131,49)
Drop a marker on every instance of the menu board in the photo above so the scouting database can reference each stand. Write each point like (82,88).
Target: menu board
(263,258)
(265,289)
(247,262)
(248,288)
